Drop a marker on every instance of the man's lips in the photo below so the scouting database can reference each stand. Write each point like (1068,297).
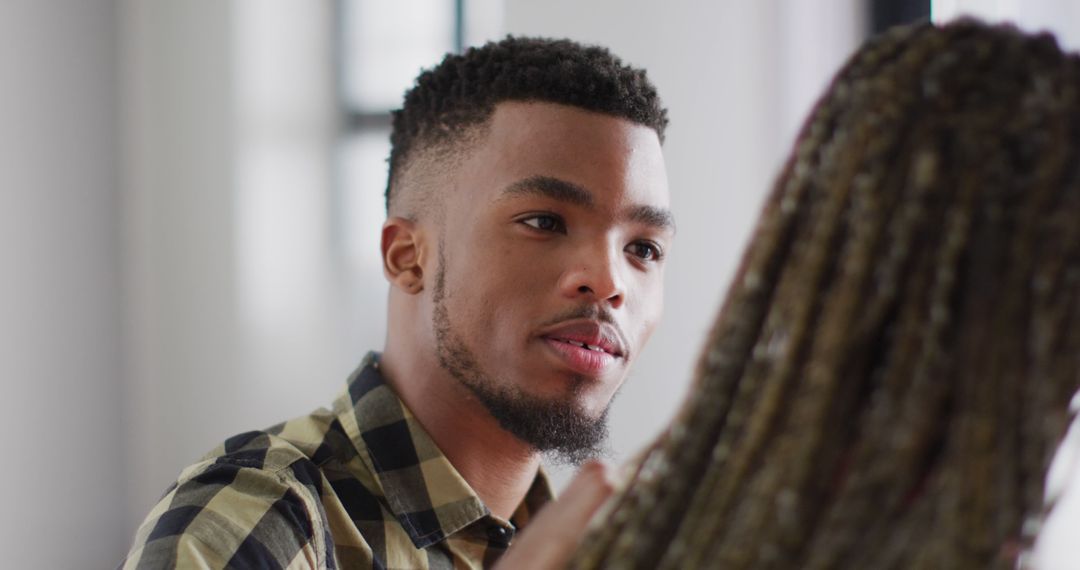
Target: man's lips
(589,335)
(585,346)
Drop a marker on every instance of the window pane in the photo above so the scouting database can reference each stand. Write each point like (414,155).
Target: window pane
(388,43)
(362,179)
(362,182)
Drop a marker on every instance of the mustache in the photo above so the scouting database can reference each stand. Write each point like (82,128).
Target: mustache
(591,312)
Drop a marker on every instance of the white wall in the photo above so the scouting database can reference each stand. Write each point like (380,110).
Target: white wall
(233,307)
(179,281)
(1060,17)
(63,474)
(738,79)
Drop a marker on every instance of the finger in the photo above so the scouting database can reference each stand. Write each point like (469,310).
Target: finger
(564,521)
(553,536)
(586,492)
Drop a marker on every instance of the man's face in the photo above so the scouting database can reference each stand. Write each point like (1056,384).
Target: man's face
(554,233)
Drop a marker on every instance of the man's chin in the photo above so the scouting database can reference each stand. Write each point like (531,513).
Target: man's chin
(559,427)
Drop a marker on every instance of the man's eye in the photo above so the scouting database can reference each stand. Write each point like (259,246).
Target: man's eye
(645,250)
(545,223)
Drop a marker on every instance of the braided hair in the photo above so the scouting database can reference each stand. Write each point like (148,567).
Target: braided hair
(890,373)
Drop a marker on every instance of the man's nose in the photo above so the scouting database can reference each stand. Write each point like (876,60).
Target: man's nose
(596,275)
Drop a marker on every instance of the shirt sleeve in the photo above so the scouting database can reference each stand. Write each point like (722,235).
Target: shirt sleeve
(230,515)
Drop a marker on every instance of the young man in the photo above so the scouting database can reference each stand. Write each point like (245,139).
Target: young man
(527,227)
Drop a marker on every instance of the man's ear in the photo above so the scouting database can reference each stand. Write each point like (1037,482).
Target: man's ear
(402,254)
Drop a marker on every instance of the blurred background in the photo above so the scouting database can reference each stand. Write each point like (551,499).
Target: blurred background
(191,196)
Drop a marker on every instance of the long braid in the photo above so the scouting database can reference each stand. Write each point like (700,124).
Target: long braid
(890,373)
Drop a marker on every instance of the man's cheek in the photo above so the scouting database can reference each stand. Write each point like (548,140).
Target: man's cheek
(648,298)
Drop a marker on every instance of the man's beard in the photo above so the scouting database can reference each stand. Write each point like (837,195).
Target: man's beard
(563,430)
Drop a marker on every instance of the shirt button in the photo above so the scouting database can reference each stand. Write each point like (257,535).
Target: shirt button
(500,535)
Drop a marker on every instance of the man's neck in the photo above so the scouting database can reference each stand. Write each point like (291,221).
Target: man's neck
(498,466)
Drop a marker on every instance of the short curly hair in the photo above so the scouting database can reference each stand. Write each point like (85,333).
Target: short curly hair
(463,90)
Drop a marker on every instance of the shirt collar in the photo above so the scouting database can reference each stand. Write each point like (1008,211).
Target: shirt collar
(427,495)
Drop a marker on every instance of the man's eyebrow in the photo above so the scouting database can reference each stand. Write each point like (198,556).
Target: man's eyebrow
(661,218)
(553,188)
(558,189)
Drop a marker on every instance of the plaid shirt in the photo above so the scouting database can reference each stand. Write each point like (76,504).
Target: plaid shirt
(361,486)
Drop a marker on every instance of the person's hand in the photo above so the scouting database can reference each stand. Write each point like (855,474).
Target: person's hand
(550,539)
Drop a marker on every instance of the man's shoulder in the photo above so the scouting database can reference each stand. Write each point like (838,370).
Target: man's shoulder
(316,437)
(289,456)
(255,497)
(252,504)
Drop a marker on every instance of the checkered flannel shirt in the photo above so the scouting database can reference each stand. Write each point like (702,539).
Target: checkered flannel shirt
(361,486)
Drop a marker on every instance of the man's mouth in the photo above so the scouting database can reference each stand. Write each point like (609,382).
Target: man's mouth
(585,346)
